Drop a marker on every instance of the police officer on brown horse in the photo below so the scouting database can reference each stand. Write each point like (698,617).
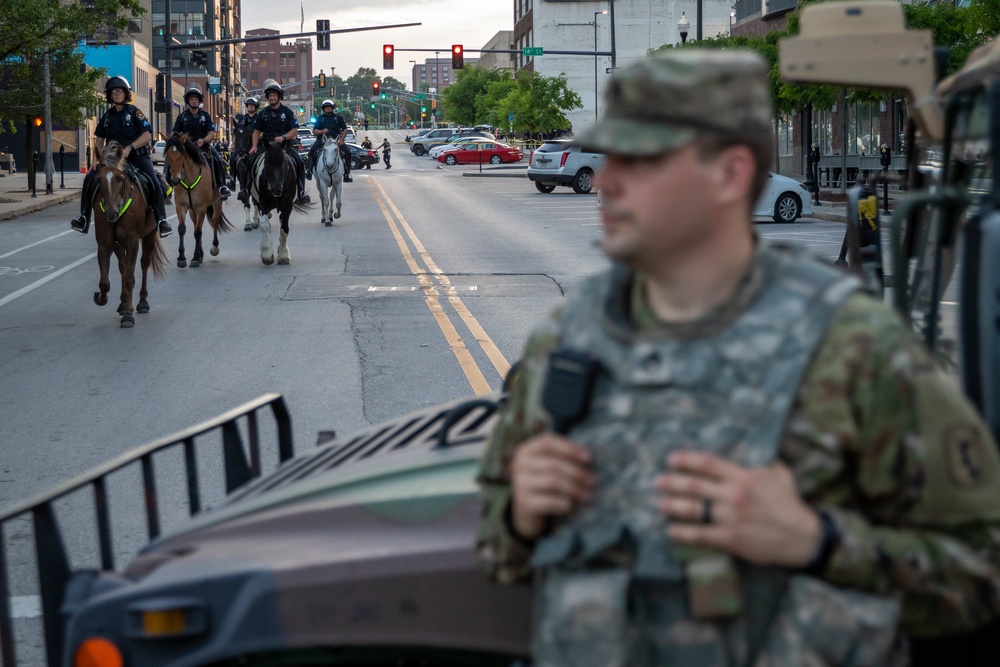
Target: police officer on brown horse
(277,123)
(124,123)
(197,124)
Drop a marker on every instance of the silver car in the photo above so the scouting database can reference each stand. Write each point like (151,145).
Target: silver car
(557,162)
(159,148)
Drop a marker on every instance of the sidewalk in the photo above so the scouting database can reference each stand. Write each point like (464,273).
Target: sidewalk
(16,199)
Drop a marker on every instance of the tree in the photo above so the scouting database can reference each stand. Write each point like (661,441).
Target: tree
(359,86)
(538,103)
(460,97)
(33,28)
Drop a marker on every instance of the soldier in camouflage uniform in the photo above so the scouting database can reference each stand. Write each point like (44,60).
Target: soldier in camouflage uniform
(770,469)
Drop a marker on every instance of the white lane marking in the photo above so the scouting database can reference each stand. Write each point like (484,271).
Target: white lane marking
(52,276)
(25,606)
(32,245)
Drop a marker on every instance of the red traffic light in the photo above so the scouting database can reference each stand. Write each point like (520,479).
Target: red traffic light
(38,121)
(374,87)
(388,53)
(457,56)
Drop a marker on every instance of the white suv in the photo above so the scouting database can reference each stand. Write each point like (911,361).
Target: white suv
(557,162)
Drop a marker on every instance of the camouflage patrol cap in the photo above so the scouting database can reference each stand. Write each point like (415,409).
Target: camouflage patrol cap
(667,100)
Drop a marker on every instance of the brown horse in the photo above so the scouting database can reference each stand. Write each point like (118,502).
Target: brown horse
(195,192)
(121,220)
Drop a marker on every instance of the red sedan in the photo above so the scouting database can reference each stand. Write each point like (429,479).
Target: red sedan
(485,151)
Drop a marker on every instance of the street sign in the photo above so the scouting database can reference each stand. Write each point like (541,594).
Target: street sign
(214,85)
(532,51)
(510,117)
(420,96)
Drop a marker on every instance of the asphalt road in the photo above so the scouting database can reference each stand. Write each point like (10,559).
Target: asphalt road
(424,291)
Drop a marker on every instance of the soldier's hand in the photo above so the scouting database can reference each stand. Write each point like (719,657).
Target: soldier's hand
(549,477)
(252,151)
(755,513)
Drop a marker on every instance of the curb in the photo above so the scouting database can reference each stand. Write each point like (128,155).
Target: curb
(32,207)
(486,174)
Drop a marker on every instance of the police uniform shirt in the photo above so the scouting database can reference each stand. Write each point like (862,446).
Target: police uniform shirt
(123,126)
(272,122)
(196,125)
(334,123)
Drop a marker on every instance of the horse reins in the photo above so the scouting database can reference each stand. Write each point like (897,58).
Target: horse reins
(125,206)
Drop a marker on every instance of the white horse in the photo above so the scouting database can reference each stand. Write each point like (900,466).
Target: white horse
(329,173)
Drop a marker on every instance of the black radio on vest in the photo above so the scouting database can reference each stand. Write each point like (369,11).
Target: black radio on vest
(569,385)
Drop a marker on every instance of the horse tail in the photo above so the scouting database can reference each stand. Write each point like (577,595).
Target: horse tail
(224,224)
(158,258)
(301,207)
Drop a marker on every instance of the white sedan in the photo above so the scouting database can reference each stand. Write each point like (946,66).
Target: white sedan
(437,150)
(783,199)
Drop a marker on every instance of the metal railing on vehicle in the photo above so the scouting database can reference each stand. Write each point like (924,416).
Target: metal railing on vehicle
(51,555)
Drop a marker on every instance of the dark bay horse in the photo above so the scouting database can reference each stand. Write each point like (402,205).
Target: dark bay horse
(196,194)
(122,221)
(274,186)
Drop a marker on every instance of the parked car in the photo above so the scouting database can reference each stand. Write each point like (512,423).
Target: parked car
(362,157)
(558,162)
(479,152)
(305,139)
(783,199)
(420,145)
(159,148)
(437,150)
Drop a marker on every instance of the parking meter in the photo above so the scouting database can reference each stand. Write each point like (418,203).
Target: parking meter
(885,159)
(813,175)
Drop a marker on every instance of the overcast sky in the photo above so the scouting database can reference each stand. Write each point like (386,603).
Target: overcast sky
(444,22)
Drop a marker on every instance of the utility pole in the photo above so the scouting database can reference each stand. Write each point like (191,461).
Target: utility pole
(47,82)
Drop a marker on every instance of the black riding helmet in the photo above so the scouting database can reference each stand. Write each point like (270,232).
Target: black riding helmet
(272,85)
(195,90)
(118,82)
(253,101)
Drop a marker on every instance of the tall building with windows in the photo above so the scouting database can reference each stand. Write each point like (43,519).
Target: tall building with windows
(436,73)
(288,63)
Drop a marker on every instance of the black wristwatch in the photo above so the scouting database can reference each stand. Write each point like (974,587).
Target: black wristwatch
(828,543)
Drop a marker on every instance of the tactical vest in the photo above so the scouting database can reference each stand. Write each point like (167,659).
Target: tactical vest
(613,590)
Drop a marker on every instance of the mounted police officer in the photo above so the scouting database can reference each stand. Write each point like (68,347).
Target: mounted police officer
(123,122)
(198,125)
(243,135)
(721,452)
(332,123)
(277,123)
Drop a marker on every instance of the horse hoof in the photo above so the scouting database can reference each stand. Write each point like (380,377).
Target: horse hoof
(268,261)
(336,216)
(127,321)
(181,263)
(121,308)
(328,223)
(143,307)
(214,250)
(247,227)
(195,264)
(283,262)
(100,298)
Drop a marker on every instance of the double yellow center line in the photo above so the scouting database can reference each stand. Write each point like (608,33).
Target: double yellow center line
(434,289)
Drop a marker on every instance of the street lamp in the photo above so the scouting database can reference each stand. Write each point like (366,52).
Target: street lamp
(732,15)
(596,14)
(683,26)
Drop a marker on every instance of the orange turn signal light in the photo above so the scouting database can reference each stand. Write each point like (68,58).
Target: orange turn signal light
(98,652)
(161,623)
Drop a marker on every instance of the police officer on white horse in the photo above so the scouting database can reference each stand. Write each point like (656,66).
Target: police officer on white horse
(332,123)
(123,122)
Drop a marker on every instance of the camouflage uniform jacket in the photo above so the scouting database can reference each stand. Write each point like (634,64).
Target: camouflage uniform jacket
(878,437)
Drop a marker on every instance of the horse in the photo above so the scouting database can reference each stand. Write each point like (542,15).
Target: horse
(274,186)
(241,170)
(198,195)
(329,173)
(122,220)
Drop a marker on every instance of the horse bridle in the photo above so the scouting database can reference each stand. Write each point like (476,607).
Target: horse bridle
(330,169)
(127,199)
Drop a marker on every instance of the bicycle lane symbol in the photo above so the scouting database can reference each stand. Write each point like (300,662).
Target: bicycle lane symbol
(15,271)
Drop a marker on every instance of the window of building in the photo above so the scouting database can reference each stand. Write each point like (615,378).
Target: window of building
(785,132)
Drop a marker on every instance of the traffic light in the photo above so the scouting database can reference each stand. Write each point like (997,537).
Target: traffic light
(375,88)
(161,86)
(302,110)
(38,121)
(373,105)
(457,56)
(388,52)
(322,80)
(323,38)
(423,109)
(383,96)
(199,58)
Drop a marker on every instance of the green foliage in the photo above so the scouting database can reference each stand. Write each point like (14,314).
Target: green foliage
(483,95)
(29,29)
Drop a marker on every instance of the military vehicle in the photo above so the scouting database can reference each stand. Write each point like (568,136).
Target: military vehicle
(361,551)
